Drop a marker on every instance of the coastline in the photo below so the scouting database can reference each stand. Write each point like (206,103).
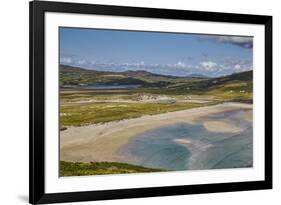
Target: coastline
(101,142)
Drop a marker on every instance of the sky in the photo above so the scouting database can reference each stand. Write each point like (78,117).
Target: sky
(174,54)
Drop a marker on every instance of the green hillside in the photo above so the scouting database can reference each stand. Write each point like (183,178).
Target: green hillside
(78,77)
(98,168)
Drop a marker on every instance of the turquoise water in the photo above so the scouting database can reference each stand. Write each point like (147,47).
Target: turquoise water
(160,148)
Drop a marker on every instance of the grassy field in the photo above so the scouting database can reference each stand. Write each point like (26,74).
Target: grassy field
(89,113)
(99,168)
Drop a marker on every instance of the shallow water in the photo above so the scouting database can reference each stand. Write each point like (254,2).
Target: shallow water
(187,146)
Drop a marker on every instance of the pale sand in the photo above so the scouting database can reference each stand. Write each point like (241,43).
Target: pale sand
(220,126)
(182,141)
(248,115)
(101,142)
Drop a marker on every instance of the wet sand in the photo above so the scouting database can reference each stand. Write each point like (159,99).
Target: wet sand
(101,142)
(220,126)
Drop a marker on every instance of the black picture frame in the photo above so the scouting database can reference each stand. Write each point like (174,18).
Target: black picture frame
(37,194)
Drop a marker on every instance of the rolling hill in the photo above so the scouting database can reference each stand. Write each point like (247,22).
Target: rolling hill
(79,77)
(74,76)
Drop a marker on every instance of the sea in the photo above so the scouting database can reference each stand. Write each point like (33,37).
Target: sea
(190,146)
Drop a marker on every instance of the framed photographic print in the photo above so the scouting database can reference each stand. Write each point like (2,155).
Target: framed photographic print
(140,102)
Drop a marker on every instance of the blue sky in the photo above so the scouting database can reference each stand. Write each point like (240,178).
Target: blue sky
(162,53)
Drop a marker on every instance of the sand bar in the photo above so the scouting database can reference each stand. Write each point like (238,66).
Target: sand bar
(220,126)
(101,142)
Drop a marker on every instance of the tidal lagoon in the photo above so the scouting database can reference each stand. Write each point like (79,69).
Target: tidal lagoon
(193,146)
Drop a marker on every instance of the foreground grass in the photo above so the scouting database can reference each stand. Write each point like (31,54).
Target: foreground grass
(100,168)
(83,114)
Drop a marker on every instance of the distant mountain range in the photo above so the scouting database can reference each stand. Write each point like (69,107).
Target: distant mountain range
(196,75)
(128,73)
(75,76)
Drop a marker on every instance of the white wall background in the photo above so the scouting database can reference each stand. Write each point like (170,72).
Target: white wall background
(14,44)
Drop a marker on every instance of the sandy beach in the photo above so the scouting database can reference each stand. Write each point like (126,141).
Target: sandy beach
(101,142)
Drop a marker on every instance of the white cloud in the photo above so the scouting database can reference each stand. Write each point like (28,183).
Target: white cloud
(137,64)
(237,67)
(234,39)
(209,65)
(81,62)
(66,60)
(76,61)
(245,42)
(180,64)
(242,68)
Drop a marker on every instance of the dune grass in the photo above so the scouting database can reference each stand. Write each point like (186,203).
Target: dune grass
(90,113)
(100,168)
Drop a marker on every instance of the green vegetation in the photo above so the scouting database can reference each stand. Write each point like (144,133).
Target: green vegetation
(77,76)
(237,91)
(82,114)
(82,106)
(99,168)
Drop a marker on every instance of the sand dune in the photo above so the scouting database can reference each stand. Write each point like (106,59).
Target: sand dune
(101,142)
